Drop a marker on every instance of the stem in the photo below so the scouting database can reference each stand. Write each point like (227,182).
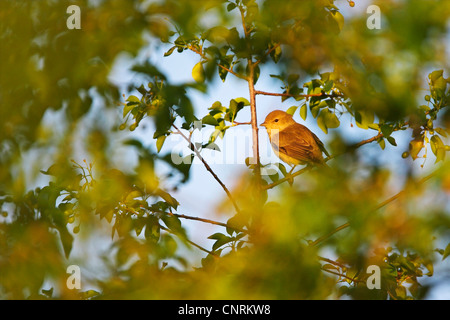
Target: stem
(183,216)
(218,64)
(294,95)
(308,168)
(254,122)
(197,153)
(189,241)
(379,206)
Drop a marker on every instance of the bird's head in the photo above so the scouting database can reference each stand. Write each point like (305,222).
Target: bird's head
(277,120)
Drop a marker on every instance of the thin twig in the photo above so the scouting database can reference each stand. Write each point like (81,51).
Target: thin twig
(218,64)
(379,206)
(194,148)
(342,275)
(295,95)
(189,241)
(267,53)
(308,168)
(183,216)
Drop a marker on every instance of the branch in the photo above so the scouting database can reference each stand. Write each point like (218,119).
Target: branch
(267,53)
(183,216)
(379,206)
(308,168)
(342,275)
(189,241)
(193,148)
(218,64)
(295,95)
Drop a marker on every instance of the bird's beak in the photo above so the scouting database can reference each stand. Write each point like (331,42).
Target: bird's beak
(263,124)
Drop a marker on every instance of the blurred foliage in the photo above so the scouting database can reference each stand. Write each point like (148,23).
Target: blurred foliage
(313,238)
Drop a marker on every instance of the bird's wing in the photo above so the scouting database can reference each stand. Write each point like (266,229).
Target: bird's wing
(297,142)
(320,144)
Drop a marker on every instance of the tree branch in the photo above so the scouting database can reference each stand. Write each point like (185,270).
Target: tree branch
(379,206)
(193,148)
(267,53)
(218,64)
(308,168)
(183,216)
(189,241)
(295,95)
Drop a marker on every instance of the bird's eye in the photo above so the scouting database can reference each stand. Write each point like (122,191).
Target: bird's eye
(276,120)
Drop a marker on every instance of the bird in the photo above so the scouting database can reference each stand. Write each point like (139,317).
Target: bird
(292,142)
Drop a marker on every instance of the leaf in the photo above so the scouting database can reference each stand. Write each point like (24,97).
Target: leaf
(303,111)
(276,54)
(242,101)
(392,141)
(168,198)
(220,238)
(331,120)
(127,108)
(210,120)
(339,19)
(321,123)
(198,74)
(173,223)
(446,252)
(152,229)
(414,148)
(364,119)
(231,6)
(170,51)
(327,119)
(211,146)
(66,239)
(328,85)
(435,75)
(291,110)
(133,99)
(438,148)
(160,142)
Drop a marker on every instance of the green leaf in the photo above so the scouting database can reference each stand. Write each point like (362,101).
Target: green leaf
(415,147)
(321,123)
(211,146)
(133,100)
(386,129)
(435,75)
(152,229)
(243,101)
(173,223)
(339,18)
(167,197)
(392,141)
(328,85)
(160,142)
(446,252)
(198,74)
(220,238)
(303,111)
(276,54)
(170,51)
(331,120)
(438,148)
(364,118)
(291,110)
(127,109)
(231,6)
(210,120)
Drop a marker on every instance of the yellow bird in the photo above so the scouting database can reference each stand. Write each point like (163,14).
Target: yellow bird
(292,142)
